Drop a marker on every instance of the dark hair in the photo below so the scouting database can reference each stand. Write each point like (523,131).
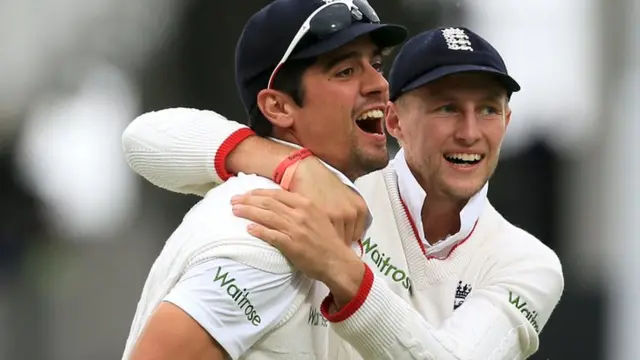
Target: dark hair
(289,81)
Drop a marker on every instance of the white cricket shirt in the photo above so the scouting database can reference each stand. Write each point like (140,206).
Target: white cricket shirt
(488,298)
(238,303)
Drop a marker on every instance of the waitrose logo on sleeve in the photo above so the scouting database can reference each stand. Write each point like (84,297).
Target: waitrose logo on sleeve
(525,309)
(239,296)
(384,264)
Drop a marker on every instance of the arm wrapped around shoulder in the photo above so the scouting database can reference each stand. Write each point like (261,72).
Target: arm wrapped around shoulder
(180,149)
(500,320)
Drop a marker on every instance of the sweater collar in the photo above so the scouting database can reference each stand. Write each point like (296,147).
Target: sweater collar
(414,198)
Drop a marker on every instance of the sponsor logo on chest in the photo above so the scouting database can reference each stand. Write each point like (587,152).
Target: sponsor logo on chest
(316,318)
(384,264)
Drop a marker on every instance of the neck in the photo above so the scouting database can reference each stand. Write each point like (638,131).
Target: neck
(440,213)
(290,137)
(440,217)
(287,136)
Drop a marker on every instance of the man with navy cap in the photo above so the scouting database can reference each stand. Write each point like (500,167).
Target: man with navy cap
(307,72)
(445,275)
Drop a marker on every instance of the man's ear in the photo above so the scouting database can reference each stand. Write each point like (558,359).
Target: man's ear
(277,107)
(393,121)
(507,117)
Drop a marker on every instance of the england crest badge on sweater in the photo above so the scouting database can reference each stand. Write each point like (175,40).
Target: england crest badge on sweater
(462,291)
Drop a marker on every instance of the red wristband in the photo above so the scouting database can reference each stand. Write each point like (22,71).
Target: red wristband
(227,146)
(287,178)
(290,160)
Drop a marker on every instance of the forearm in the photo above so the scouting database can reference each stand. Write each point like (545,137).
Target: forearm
(344,280)
(190,151)
(175,148)
(257,155)
(381,325)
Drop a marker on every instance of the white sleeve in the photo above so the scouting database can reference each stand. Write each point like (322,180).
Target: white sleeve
(233,302)
(180,149)
(499,321)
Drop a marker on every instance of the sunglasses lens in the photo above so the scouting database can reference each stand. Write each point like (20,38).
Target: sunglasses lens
(331,19)
(366,10)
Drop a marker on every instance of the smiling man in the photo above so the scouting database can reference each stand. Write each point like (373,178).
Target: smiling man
(444,274)
(306,71)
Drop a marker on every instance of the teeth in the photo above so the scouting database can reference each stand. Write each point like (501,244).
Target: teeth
(371,114)
(464,157)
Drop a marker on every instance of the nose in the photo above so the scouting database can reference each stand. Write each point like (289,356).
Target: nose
(375,84)
(468,130)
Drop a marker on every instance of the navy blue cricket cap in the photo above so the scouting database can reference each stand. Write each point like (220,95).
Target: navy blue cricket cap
(439,52)
(268,33)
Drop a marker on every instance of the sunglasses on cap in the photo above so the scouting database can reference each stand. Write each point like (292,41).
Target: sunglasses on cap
(329,18)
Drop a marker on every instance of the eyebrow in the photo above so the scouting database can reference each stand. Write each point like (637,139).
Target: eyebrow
(494,96)
(329,64)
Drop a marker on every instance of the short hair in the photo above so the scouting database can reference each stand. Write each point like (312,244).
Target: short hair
(289,81)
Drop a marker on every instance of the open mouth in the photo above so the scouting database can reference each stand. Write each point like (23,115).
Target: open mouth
(371,122)
(464,159)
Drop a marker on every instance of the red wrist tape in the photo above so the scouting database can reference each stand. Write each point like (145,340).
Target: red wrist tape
(227,146)
(278,175)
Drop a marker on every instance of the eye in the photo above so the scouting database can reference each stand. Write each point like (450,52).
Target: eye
(489,110)
(378,65)
(345,73)
(446,109)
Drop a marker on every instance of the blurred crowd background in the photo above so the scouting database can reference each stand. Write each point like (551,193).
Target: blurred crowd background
(79,231)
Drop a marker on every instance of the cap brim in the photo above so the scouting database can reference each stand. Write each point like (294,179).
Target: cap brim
(509,83)
(383,35)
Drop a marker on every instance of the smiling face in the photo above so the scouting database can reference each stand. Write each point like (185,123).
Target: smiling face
(346,95)
(342,112)
(451,131)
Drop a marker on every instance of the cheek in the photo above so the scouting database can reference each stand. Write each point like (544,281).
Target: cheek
(422,149)
(325,122)
(425,137)
(331,103)
(495,135)
(334,118)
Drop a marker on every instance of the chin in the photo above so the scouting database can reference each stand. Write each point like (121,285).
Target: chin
(463,192)
(370,162)
(376,165)
(380,159)
(374,153)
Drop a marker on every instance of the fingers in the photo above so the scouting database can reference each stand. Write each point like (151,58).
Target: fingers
(349,235)
(346,221)
(348,217)
(262,202)
(341,223)
(340,227)
(265,217)
(290,199)
(360,217)
(275,238)
(293,207)
(360,225)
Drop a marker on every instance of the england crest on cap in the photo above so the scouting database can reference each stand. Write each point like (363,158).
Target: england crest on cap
(456,39)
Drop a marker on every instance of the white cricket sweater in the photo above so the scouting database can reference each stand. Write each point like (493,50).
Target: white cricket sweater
(211,232)
(409,306)
(488,299)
